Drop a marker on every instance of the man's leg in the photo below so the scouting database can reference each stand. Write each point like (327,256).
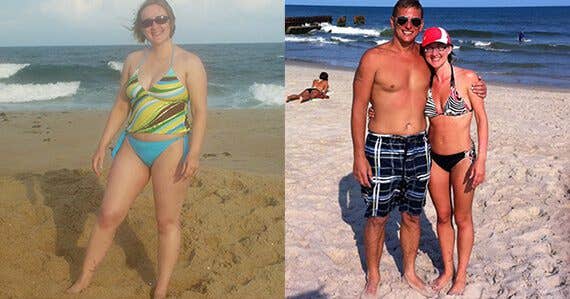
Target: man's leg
(410,241)
(417,171)
(373,245)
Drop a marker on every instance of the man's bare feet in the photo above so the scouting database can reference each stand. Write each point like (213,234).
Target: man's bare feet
(418,285)
(458,287)
(441,282)
(370,289)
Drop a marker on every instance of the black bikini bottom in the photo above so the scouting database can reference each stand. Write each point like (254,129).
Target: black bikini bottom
(448,161)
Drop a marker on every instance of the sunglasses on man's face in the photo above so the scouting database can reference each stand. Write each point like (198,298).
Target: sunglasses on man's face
(401,20)
(160,20)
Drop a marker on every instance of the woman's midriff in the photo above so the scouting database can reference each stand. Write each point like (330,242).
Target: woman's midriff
(450,134)
(156,137)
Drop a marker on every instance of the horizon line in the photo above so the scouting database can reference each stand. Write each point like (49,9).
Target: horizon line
(140,44)
(431,6)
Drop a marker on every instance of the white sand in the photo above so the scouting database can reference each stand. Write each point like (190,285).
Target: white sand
(520,212)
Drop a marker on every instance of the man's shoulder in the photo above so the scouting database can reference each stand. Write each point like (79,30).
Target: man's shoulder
(375,55)
(377,52)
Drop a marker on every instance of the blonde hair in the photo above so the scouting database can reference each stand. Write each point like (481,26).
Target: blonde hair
(138,30)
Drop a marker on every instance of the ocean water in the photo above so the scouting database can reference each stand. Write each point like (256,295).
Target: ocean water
(485,40)
(86,77)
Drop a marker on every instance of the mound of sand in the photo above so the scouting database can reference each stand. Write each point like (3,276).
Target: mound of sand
(232,225)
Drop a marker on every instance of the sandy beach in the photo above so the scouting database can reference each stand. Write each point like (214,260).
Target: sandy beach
(232,220)
(520,212)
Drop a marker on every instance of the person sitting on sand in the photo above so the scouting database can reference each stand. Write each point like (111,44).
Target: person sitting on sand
(318,90)
(160,87)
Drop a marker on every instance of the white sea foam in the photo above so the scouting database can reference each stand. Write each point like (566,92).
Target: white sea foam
(326,27)
(342,40)
(456,47)
(268,94)
(116,65)
(307,39)
(497,50)
(9,69)
(382,41)
(18,93)
(481,44)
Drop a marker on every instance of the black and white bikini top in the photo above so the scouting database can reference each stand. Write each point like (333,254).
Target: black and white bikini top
(454,106)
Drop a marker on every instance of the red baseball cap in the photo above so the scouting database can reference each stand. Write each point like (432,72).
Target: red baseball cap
(436,35)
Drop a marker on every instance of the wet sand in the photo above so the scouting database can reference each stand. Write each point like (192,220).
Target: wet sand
(520,212)
(232,220)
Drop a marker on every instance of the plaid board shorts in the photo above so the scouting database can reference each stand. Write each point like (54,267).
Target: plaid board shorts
(400,173)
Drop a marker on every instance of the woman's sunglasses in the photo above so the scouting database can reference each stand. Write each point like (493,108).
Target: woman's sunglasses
(160,20)
(401,20)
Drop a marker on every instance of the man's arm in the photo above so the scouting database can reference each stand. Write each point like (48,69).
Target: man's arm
(361,94)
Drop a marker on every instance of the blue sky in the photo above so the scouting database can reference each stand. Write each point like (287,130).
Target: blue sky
(436,3)
(102,22)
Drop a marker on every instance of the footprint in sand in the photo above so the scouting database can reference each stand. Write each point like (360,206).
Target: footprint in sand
(215,155)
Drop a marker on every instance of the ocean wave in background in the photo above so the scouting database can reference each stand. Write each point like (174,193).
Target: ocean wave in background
(19,93)
(475,33)
(342,40)
(9,69)
(39,73)
(307,39)
(329,28)
(115,65)
(268,94)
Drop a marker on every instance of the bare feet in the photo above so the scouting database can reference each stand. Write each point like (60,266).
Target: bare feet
(441,282)
(418,285)
(370,289)
(78,286)
(458,287)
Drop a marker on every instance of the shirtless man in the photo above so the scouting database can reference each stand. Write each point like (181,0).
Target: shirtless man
(392,164)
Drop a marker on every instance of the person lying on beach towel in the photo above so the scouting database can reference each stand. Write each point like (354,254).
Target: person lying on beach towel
(318,90)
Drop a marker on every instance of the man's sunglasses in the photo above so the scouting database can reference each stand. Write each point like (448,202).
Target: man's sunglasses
(401,20)
(160,20)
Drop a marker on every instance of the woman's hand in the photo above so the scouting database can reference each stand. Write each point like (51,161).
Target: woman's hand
(97,161)
(477,175)
(189,167)
(371,113)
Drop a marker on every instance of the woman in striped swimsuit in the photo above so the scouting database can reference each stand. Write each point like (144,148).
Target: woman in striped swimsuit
(450,107)
(157,86)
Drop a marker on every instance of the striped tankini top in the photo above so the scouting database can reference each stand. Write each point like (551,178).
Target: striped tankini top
(162,109)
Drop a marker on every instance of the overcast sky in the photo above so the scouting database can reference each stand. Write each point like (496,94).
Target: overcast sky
(436,3)
(102,22)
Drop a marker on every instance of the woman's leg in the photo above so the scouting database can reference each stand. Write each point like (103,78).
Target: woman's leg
(127,177)
(293,97)
(439,191)
(462,201)
(169,194)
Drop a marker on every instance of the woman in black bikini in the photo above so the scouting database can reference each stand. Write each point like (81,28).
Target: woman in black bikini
(317,91)
(450,107)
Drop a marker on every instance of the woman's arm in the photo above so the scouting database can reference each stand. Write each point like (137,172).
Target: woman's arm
(477,174)
(117,116)
(197,84)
